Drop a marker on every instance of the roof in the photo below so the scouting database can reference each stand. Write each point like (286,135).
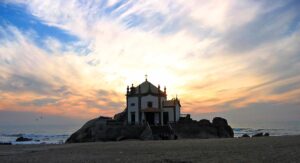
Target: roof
(144,88)
(171,103)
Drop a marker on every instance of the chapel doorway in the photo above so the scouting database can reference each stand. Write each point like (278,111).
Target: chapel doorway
(166,117)
(150,118)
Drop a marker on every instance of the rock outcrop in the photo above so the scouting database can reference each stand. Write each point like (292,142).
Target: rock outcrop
(224,130)
(121,117)
(204,129)
(245,136)
(204,122)
(105,129)
(260,134)
(5,143)
(108,129)
(21,138)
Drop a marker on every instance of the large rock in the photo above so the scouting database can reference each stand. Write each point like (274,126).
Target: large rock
(194,130)
(203,129)
(204,122)
(104,129)
(245,136)
(218,121)
(186,119)
(5,143)
(21,138)
(108,129)
(224,130)
(260,134)
(121,117)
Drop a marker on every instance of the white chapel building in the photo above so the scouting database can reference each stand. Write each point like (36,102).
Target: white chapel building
(147,103)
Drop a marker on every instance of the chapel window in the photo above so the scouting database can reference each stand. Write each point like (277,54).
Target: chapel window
(149,104)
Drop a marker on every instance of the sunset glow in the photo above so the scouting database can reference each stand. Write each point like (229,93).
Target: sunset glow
(217,56)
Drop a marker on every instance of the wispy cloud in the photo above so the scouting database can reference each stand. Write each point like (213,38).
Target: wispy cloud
(226,54)
(30,76)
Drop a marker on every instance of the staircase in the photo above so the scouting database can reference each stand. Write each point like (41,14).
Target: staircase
(163,132)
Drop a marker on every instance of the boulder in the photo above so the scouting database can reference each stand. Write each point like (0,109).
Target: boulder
(5,143)
(99,129)
(21,138)
(245,136)
(204,122)
(260,134)
(121,117)
(224,130)
(90,131)
(186,119)
(218,121)
(266,134)
(203,129)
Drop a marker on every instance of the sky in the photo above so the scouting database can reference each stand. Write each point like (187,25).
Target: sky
(74,59)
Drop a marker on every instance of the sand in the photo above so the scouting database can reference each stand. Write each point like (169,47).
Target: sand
(262,149)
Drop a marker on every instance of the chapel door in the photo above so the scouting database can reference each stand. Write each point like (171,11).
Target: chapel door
(132,117)
(150,118)
(166,117)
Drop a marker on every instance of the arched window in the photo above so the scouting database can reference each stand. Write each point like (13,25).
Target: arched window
(149,104)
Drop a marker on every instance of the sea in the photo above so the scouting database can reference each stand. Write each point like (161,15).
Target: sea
(58,134)
(40,134)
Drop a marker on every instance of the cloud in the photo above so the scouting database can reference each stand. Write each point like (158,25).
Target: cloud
(39,102)
(268,26)
(286,88)
(34,79)
(260,115)
(18,84)
(227,54)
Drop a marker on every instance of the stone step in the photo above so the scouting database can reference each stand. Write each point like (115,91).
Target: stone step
(163,132)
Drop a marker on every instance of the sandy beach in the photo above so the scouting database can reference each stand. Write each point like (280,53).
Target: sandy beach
(262,149)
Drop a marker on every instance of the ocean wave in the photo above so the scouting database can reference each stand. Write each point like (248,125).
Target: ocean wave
(36,138)
(273,132)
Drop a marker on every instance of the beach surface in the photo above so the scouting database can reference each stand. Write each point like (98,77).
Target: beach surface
(260,149)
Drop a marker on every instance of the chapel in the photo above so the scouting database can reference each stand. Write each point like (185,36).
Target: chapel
(148,103)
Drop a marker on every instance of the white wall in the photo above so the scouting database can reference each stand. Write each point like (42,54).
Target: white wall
(133,109)
(170,111)
(149,98)
(177,112)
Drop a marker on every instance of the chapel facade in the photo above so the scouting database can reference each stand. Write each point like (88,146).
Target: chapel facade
(148,103)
